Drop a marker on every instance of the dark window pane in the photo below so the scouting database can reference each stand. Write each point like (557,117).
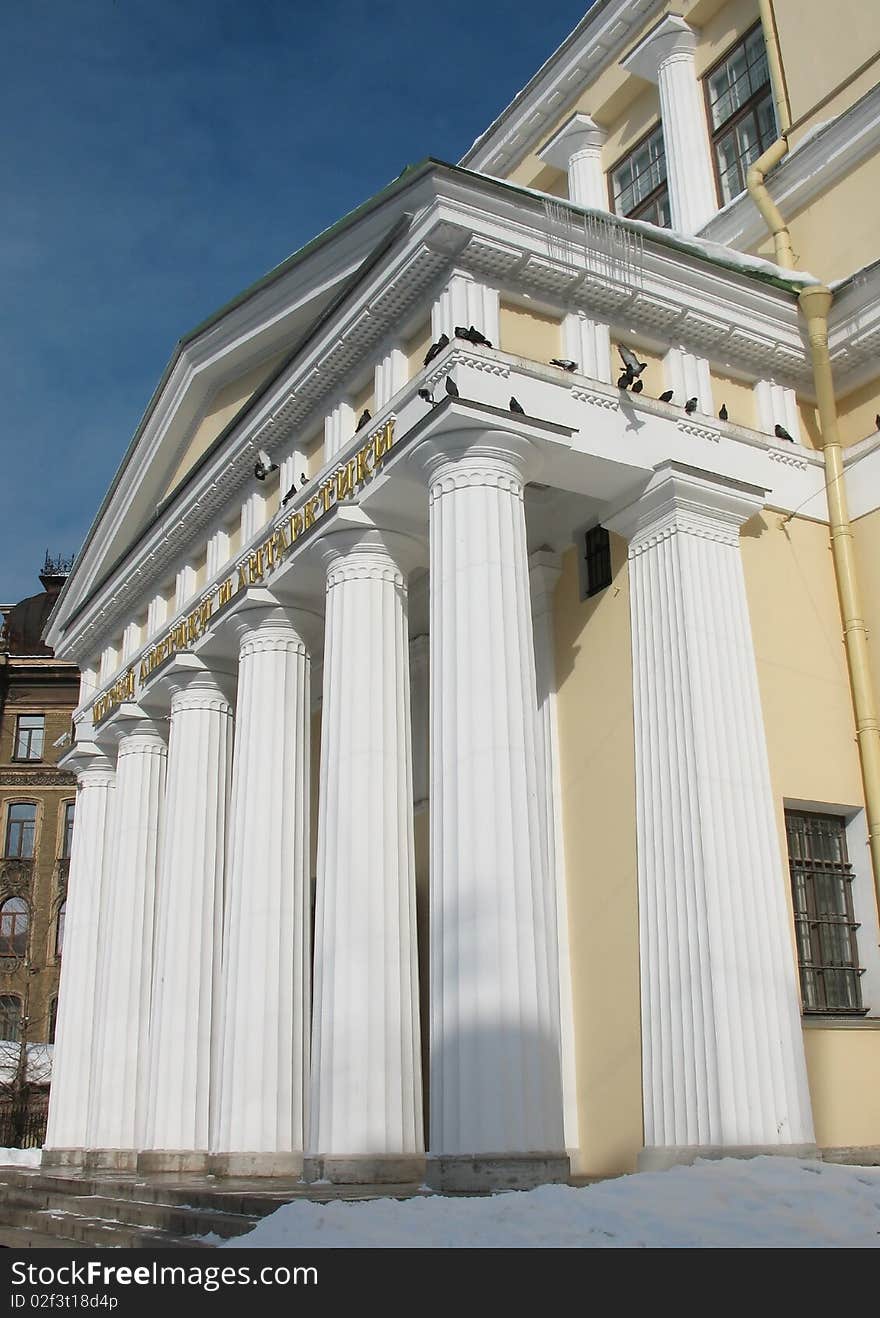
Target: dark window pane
(10,1017)
(597,545)
(29,737)
(14,920)
(21,824)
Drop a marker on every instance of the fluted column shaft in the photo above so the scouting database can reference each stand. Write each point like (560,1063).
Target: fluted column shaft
(366,1078)
(189,917)
(692,198)
(495,1070)
(117,1108)
(77,1005)
(263,1037)
(723,1057)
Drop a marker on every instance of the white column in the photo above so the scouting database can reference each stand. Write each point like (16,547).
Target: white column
(777,406)
(253,516)
(418,676)
(391,374)
(495,1070)
(577,149)
(689,376)
(723,1056)
(118,1095)
(339,427)
(366,1112)
(544,571)
(78,1008)
(292,469)
(185,587)
(262,1041)
(464,301)
(156,612)
(667,57)
(188,920)
(587,342)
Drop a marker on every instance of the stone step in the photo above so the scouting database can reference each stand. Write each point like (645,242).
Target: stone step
(179,1219)
(79,1229)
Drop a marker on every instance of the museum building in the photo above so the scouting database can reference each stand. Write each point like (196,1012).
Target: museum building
(477,747)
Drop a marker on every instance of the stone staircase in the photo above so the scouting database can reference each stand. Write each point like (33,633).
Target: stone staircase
(64,1209)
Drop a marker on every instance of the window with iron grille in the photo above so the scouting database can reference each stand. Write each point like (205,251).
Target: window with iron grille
(821,884)
(638,182)
(741,113)
(53,1019)
(597,550)
(59,929)
(21,827)
(29,730)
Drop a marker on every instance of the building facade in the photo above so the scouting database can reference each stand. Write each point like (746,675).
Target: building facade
(489,776)
(38,695)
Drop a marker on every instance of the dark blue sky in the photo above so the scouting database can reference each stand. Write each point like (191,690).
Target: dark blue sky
(160,155)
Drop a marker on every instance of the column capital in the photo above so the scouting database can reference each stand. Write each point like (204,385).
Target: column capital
(356,546)
(89,762)
(672,37)
(476,456)
(263,621)
(188,682)
(128,722)
(681,498)
(578,134)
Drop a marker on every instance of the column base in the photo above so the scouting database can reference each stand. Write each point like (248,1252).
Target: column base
(110,1160)
(459,1173)
(172,1160)
(63,1158)
(660,1158)
(365,1168)
(256,1164)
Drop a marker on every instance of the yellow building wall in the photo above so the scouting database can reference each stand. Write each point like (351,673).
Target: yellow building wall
(866,540)
(597,781)
(653,376)
(821,45)
(222,408)
(843,1066)
(837,233)
(857,412)
(737,395)
(416,348)
(530,334)
(720,30)
(634,124)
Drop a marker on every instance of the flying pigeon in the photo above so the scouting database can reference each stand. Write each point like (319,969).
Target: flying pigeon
(564,363)
(666,396)
(365,416)
(517,407)
(638,386)
(436,348)
(691,406)
(624,381)
(632,365)
(451,387)
(722,415)
(264,465)
(781,433)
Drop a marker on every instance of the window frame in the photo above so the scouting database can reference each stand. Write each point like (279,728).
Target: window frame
(748,108)
(68,820)
(28,759)
(813,919)
(12,955)
(11,855)
(599,553)
(652,196)
(58,926)
(9,998)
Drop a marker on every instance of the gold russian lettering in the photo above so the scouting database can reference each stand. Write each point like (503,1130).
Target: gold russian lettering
(224,592)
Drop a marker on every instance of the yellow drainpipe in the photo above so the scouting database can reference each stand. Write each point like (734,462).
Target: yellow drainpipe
(815,303)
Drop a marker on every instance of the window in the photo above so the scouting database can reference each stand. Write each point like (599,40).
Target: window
(67,829)
(29,737)
(597,546)
(638,182)
(14,920)
(53,1019)
(10,1017)
(741,113)
(821,882)
(59,928)
(21,827)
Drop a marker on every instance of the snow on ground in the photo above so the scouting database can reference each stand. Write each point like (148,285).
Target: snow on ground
(21,1157)
(772,1202)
